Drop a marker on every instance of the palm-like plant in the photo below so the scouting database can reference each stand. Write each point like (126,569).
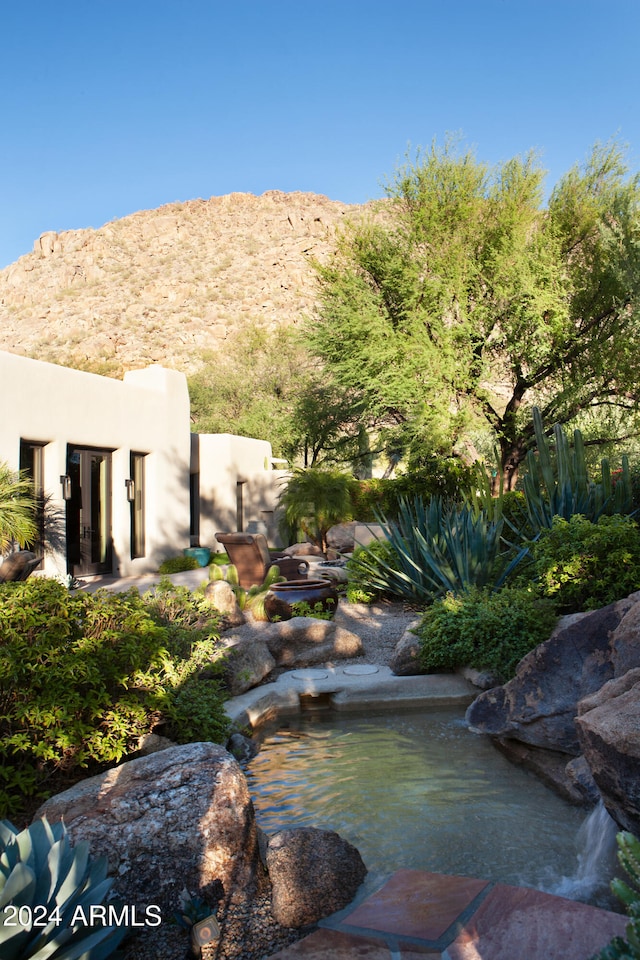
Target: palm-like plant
(314,500)
(17,509)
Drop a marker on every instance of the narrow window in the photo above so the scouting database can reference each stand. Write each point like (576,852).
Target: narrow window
(137,505)
(194,498)
(32,464)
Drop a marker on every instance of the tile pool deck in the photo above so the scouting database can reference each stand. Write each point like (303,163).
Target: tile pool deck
(417,915)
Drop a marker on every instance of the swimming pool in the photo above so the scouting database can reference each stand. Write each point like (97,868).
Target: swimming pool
(415,790)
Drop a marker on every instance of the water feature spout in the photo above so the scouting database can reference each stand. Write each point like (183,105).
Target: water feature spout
(596,843)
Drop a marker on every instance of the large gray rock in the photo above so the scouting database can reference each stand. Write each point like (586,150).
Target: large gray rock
(313,873)
(405,661)
(219,594)
(303,641)
(539,704)
(247,663)
(306,549)
(180,817)
(625,642)
(609,731)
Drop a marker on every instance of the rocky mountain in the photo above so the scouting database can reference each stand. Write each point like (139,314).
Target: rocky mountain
(167,285)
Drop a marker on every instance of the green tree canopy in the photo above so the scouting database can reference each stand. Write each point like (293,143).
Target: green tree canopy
(265,385)
(462,301)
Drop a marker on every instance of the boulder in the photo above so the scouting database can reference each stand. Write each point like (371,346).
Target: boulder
(625,642)
(219,594)
(405,661)
(180,817)
(549,766)
(341,537)
(539,704)
(303,641)
(609,731)
(313,873)
(243,749)
(247,663)
(581,782)
(306,549)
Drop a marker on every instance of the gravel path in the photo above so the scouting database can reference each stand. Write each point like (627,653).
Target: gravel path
(249,931)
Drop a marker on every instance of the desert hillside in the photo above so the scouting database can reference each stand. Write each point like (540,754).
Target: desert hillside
(166,285)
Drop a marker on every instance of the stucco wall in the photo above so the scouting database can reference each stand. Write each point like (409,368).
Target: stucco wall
(224,462)
(147,413)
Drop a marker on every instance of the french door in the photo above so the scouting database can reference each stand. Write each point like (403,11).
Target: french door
(89,549)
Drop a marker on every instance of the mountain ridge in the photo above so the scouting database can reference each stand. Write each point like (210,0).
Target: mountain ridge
(169,284)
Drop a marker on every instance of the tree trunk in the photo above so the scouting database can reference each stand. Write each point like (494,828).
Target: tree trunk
(512,454)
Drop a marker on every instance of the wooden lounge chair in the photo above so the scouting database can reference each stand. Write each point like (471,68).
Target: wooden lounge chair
(18,566)
(250,555)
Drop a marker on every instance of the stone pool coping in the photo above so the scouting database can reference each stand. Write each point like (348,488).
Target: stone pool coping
(417,915)
(354,687)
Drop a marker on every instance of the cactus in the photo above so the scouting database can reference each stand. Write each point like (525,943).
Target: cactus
(253,598)
(629,857)
(47,890)
(564,489)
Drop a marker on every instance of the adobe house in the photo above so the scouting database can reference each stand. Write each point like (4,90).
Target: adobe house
(125,483)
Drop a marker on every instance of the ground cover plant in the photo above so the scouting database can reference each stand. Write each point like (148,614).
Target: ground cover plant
(486,630)
(84,676)
(177,564)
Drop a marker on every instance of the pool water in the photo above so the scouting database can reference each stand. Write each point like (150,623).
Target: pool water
(416,790)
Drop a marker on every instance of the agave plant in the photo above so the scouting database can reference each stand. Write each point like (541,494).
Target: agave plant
(47,890)
(438,548)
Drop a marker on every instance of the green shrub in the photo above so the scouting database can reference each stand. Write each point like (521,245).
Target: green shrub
(488,631)
(219,559)
(583,565)
(84,676)
(178,565)
(442,477)
(366,565)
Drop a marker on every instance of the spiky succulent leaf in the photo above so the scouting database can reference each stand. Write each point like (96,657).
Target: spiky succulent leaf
(40,868)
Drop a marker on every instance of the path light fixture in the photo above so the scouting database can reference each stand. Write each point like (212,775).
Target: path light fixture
(203,932)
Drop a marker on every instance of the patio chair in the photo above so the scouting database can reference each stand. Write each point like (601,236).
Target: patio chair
(18,566)
(250,555)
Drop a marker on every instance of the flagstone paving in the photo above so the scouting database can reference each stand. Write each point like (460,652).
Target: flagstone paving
(417,915)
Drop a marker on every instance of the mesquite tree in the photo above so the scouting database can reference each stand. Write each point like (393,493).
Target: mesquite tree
(462,301)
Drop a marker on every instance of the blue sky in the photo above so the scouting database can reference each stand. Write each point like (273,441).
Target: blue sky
(112,107)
